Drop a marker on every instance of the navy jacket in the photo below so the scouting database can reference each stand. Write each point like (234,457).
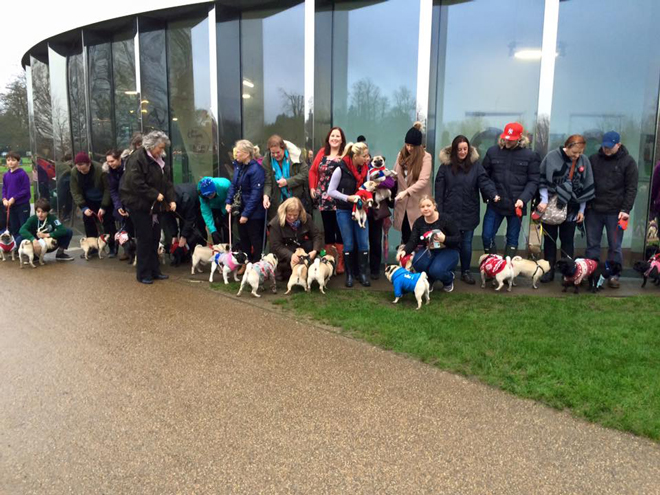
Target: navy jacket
(615,178)
(252,178)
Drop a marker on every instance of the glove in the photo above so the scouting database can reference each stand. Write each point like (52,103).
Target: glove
(216,237)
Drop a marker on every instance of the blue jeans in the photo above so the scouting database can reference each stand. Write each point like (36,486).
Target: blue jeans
(492,222)
(439,264)
(18,215)
(466,249)
(593,224)
(352,233)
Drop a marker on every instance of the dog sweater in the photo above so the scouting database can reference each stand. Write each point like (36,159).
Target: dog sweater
(225,259)
(583,268)
(8,248)
(404,281)
(654,263)
(264,269)
(492,265)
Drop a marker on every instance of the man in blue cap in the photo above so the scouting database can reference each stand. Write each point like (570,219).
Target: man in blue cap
(615,179)
(213,194)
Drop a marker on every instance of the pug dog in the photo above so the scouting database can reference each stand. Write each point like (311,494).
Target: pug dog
(604,271)
(528,268)
(99,243)
(257,273)
(365,201)
(203,255)
(228,262)
(574,271)
(405,282)
(7,245)
(27,249)
(299,270)
(320,272)
(649,270)
(498,268)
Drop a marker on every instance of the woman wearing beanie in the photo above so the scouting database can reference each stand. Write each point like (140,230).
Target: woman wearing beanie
(457,185)
(346,180)
(413,168)
(320,173)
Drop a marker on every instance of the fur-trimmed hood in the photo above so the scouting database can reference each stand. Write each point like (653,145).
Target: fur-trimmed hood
(445,155)
(523,142)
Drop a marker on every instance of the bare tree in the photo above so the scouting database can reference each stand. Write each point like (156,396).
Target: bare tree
(293,103)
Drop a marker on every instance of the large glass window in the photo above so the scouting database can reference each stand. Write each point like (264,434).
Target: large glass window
(100,98)
(153,76)
(374,72)
(606,79)
(190,99)
(77,104)
(272,57)
(127,99)
(42,159)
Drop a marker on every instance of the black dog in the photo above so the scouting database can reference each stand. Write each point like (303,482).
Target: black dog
(648,272)
(603,272)
(575,271)
(130,248)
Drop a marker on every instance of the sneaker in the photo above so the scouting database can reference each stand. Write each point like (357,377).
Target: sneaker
(63,257)
(467,278)
(449,288)
(614,283)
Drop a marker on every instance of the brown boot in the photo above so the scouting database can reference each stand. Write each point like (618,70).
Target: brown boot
(340,258)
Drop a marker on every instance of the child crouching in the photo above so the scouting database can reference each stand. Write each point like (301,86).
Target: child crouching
(42,226)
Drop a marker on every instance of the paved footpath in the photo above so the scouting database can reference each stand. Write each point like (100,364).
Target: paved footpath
(107,386)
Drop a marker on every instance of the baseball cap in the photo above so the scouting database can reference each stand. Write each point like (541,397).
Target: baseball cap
(206,187)
(512,132)
(611,139)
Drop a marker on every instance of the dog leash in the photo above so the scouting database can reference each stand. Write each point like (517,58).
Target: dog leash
(7,224)
(263,244)
(230,245)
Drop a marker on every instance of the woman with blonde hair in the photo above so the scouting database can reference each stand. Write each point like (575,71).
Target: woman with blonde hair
(244,199)
(293,228)
(413,168)
(345,182)
(440,237)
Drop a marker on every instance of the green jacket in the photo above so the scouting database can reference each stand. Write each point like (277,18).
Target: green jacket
(99,192)
(297,183)
(52,226)
(216,203)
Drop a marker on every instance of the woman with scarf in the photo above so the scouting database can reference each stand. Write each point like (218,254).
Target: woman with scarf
(413,168)
(145,191)
(323,166)
(345,182)
(565,173)
(286,176)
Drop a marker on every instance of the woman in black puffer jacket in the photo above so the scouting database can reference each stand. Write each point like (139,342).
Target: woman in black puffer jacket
(457,185)
(146,191)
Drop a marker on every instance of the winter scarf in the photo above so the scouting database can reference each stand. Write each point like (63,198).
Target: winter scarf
(555,169)
(282,172)
(360,175)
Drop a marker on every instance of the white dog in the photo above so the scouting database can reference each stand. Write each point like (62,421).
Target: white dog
(321,270)
(99,243)
(257,273)
(494,266)
(203,255)
(405,282)
(299,270)
(528,268)
(229,262)
(27,249)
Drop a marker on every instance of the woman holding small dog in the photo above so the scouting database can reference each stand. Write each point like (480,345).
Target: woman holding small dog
(244,199)
(457,186)
(441,238)
(413,168)
(568,180)
(320,172)
(293,228)
(344,184)
(145,190)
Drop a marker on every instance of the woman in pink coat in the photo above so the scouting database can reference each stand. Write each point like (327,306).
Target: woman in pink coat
(413,168)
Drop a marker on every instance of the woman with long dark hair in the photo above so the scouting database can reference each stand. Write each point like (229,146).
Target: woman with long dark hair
(457,185)
(325,162)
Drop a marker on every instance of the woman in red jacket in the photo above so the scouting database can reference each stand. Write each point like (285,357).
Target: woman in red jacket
(320,172)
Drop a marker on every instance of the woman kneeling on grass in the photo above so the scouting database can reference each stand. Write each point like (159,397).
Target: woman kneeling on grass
(441,238)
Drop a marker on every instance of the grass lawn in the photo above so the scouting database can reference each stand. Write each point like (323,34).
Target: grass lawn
(595,356)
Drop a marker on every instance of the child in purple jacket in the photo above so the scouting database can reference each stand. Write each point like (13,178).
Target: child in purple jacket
(16,193)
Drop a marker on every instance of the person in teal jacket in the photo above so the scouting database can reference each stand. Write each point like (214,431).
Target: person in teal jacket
(213,195)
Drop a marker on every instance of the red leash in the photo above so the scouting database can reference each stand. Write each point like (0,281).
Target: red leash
(7,224)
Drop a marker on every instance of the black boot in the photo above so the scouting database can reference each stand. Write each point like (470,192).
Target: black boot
(510,251)
(363,260)
(348,268)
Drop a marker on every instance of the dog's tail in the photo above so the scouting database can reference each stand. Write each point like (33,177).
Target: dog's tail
(424,276)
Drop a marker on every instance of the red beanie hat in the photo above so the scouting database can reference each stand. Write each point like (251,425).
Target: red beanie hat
(82,157)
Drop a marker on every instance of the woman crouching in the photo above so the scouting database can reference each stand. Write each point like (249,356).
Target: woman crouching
(441,238)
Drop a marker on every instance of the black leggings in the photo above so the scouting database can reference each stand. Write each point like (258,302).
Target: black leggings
(405,229)
(251,234)
(375,244)
(148,237)
(331,228)
(566,238)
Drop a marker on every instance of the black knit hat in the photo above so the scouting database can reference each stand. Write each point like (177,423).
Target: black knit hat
(414,135)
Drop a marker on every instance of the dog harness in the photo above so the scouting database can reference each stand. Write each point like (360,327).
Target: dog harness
(404,281)
(225,259)
(492,265)
(264,269)
(8,248)
(583,268)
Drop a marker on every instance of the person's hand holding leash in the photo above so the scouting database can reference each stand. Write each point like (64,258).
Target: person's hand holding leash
(160,197)
(541,207)
(122,212)
(266,202)
(623,215)
(88,212)
(173,206)
(496,199)
(228,208)
(243,220)
(282,182)
(401,195)
(580,217)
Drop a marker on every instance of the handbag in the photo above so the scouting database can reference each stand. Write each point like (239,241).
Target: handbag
(553,215)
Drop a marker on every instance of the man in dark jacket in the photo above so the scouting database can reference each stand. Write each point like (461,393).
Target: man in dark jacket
(90,192)
(183,227)
(514,168)
(615,178)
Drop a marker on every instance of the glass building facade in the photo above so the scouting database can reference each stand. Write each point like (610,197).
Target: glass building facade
(212,73)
